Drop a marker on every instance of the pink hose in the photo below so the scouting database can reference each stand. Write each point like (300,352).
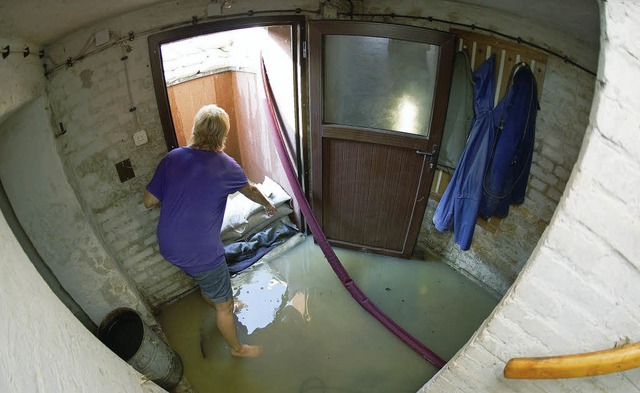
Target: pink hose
(274,123)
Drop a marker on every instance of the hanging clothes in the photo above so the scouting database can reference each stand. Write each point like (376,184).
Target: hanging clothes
(507,175)
(458,208)
(459,112)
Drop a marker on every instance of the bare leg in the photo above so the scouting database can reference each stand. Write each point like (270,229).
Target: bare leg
(225,320)
(237,304)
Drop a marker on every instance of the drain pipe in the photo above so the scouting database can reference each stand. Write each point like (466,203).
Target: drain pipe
(274,123)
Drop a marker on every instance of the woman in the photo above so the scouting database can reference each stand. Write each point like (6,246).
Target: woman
(192,184)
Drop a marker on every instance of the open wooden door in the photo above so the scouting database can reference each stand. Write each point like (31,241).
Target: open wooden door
(378,99)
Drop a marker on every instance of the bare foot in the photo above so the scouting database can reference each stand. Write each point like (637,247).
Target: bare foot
(247,351)
(237,305)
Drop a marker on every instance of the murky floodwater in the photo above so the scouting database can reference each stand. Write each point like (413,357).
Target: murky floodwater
(316,338)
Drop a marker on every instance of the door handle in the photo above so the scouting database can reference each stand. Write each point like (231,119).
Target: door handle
(433,154)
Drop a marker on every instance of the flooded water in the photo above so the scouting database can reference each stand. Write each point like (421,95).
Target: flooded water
(316,338)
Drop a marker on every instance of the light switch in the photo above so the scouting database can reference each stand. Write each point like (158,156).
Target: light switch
(140,138)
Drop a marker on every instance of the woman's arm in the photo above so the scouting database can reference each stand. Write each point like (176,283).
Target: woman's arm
(253,193)
(149,199)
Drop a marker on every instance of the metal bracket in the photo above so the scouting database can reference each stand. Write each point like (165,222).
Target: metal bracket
(433,154)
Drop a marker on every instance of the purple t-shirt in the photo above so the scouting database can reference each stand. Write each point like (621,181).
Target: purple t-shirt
(192,186)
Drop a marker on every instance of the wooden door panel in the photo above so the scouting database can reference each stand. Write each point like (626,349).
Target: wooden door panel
(373,147)
(372,190)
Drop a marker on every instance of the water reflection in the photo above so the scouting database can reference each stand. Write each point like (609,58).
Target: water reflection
(263,293)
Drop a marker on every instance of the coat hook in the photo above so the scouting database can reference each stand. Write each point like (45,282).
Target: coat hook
(25,52)
(5,51)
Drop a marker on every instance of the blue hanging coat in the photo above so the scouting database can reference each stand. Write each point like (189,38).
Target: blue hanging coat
(459,206)
(507,175)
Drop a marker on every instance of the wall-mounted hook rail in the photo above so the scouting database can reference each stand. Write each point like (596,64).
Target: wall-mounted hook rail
(6,51)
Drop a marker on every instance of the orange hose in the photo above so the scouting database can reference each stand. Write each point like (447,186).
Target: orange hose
(575,366)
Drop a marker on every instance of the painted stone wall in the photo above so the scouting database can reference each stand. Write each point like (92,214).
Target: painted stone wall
(579,291)
(43,346)
(49,212)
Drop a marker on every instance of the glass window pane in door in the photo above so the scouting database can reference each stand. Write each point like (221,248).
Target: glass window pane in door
(380,83)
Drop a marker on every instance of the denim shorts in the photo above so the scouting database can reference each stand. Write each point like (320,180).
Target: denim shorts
(215,283)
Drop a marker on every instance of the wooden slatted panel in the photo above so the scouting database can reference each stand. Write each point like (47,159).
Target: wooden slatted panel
(374,173)
(440,181)
(480,46)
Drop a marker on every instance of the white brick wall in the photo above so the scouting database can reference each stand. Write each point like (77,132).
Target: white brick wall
(579,291)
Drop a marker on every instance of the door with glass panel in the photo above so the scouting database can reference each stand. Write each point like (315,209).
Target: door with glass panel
(378,98)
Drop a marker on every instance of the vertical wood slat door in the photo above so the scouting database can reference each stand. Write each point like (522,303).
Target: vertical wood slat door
(373,153)
(369,200)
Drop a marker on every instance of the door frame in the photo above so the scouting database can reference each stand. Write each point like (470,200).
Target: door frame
(298,36)
(318,130)
(155,41)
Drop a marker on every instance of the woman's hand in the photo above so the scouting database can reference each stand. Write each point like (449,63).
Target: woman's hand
(270,209)
(252,192)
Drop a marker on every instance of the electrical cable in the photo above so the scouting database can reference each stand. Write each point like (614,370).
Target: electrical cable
(132,107)
(195,19)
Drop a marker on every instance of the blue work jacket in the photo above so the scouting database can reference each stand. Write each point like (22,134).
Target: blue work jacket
(459,206)
(507,175)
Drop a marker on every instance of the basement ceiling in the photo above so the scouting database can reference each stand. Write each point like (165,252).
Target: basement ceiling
(42,22)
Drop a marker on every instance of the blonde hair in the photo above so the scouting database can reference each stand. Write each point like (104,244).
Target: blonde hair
(210,128)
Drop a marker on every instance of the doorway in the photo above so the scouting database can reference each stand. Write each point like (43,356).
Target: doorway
(220,63)
(378,95)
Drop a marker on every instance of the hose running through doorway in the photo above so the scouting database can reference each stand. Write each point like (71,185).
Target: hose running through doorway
(275,125)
